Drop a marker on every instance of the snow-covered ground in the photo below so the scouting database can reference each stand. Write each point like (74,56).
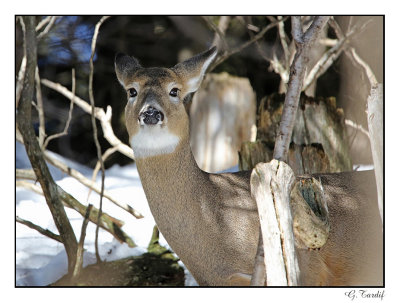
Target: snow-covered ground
(40,260)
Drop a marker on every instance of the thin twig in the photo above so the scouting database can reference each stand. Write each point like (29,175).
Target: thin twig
(21,73)
(71,107)
(39,100)
(48,27)
(79,252)
(96,140)
(104,157)
(283,39)
(235,50)
(333,53)
(280,68)
(367,69)
(357,127)
(20,80)
(39,229)
(42,23)
(87,182)
(219,30)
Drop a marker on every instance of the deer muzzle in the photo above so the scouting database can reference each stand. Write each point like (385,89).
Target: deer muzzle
(151,116)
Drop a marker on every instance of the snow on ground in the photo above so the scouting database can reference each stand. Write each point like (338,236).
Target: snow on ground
(40,260)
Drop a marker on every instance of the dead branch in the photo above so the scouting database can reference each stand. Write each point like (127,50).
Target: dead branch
(96,140)
(235,50)
(21,72)
(79,252)
(71,107)
(283,39)
(49,21)
(327,60)
(33,149)
(39,229)
(356,126)
(82,179)
(282,69)
(103,117)
(39,100)
(104,157)
(85,181)
(367,69)
(219,37)
(20,80)
(107,222)
(42,23)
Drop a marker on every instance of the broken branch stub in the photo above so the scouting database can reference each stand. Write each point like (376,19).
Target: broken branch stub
(271,184)
(310,213)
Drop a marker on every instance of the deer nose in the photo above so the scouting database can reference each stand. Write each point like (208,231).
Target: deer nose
(151,116)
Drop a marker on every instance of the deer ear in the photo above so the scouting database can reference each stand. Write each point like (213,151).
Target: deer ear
(125,66)
(192,70)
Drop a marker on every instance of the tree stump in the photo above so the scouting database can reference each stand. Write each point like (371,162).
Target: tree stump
(303,159)
(317,121)
(222,115)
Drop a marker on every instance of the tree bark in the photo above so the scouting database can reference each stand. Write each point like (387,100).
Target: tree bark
(34,151)
(271,184)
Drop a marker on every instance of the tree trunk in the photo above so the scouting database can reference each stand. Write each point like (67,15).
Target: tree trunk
(34,151)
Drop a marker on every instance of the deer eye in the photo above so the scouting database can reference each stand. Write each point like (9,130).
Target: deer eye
(132,92)
(174,92)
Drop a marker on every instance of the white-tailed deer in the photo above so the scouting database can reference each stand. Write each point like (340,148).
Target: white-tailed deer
(211,220)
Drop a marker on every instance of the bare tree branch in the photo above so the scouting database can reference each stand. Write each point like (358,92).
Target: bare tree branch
(50,22)
(104,117)
(87,182)
(235,50)
(333,53)
(79,252)
(283,39)
(39,229)
(219,37)
(71,107)
(96,140)
(104,157)
(21,73)
(356,126)
(367,69)
(83,180)
(39,99)
(33,149)
(107,222)
(20,80)
(297,72)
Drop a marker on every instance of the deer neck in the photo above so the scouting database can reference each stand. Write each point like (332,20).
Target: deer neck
(171,181)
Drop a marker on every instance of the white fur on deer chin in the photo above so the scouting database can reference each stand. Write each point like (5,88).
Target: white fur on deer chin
(153,141)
